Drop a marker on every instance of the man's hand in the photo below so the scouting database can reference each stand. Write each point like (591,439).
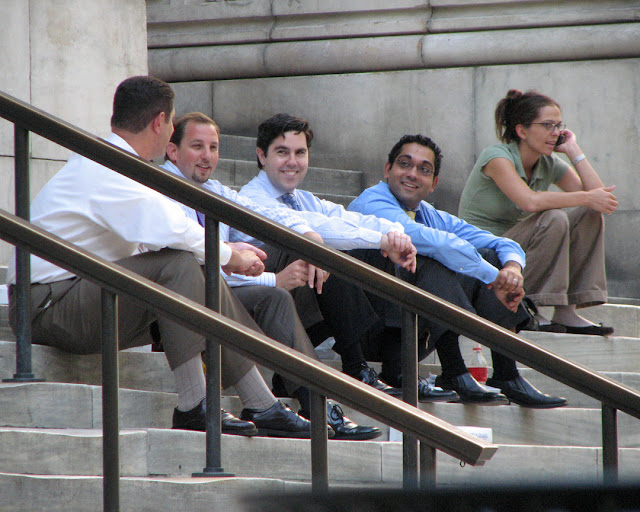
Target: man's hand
(245,259)
(315,276)
(399,249)
(293,275)
(511,300)
(509,278)
(509,285)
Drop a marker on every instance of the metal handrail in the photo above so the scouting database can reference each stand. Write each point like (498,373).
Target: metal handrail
(603,389)
(258,347)
(613,395)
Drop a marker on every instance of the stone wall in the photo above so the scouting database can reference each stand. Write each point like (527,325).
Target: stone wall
(366,72)
(66,57)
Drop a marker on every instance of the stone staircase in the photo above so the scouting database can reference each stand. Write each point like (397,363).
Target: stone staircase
(238,165)
(51,438)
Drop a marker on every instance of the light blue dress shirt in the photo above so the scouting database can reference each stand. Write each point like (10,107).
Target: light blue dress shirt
(441,236)
(340,229)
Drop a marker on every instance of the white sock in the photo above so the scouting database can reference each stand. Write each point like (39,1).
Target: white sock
(192,387)
(254,392)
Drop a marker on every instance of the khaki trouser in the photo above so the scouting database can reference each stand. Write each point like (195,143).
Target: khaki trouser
(67,314)
(565,257)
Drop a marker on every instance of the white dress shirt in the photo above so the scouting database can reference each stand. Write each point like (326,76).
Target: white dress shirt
(110,215)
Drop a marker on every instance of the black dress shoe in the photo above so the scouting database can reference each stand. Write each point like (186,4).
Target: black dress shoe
(470,391)
(280,421)
(521,392)
(593,330)
(428,393)
(344,428)
(369,376)
(195,419)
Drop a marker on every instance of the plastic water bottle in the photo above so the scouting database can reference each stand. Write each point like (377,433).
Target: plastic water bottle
(478,367)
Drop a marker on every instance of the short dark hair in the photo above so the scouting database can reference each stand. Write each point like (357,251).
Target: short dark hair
(280,124)
(519,108)
(138,100)
(180,126)
(423,140)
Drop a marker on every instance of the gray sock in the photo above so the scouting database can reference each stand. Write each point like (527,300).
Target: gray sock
(191,384)
(254,392)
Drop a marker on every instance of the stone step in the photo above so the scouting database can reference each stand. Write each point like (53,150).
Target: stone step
(237,147)
(59,406)
(61,493)
(546,465)
(625,318)
(236,173)
(170,453)
(613,354)
(138,370)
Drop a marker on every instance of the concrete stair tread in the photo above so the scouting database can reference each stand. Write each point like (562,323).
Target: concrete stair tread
(179,453)
(78,406)
(138,370)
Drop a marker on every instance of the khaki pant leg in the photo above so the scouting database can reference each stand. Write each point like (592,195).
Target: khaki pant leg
(71,320)
(587,278)
(544,236)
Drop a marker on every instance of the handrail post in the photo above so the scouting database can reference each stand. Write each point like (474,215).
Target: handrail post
(213,354)
(410,453)
(23,262)
(319,458)
(110,409)
(427,466)
(609,444)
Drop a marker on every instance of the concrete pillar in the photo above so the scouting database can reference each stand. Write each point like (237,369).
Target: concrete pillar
(65,57)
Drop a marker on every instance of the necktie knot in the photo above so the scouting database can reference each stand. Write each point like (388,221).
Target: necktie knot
(290,200)
(411,214)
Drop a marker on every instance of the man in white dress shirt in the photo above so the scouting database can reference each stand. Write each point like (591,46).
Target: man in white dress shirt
(193,153)
(283,157)
(115,217)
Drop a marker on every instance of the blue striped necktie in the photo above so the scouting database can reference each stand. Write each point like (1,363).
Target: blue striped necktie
(291,201)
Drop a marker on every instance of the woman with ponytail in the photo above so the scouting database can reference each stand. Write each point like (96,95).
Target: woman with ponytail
(507,193)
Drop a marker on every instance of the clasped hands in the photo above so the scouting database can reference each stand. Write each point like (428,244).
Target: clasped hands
(508,285)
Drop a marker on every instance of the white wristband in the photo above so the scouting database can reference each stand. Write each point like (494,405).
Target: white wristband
(577,159)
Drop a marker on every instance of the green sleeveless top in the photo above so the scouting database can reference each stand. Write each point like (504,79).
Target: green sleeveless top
(484,205)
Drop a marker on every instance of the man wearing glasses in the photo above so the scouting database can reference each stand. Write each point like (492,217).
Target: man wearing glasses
(338,309)
(458,262)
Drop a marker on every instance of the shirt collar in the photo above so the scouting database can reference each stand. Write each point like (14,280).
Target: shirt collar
(118,141)
(269,187)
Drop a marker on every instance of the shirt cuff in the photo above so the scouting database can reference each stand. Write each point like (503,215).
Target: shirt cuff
(225,254)
(302,229)
(513,256)
(487,273)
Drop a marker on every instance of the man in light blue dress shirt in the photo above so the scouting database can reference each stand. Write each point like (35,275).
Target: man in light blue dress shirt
(193,153)
(463,264)
(283,155)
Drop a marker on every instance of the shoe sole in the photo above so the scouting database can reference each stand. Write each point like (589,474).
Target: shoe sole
(489,403)
(539,406)
(439,399)
(245,433)
(267,432)
(357,437)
